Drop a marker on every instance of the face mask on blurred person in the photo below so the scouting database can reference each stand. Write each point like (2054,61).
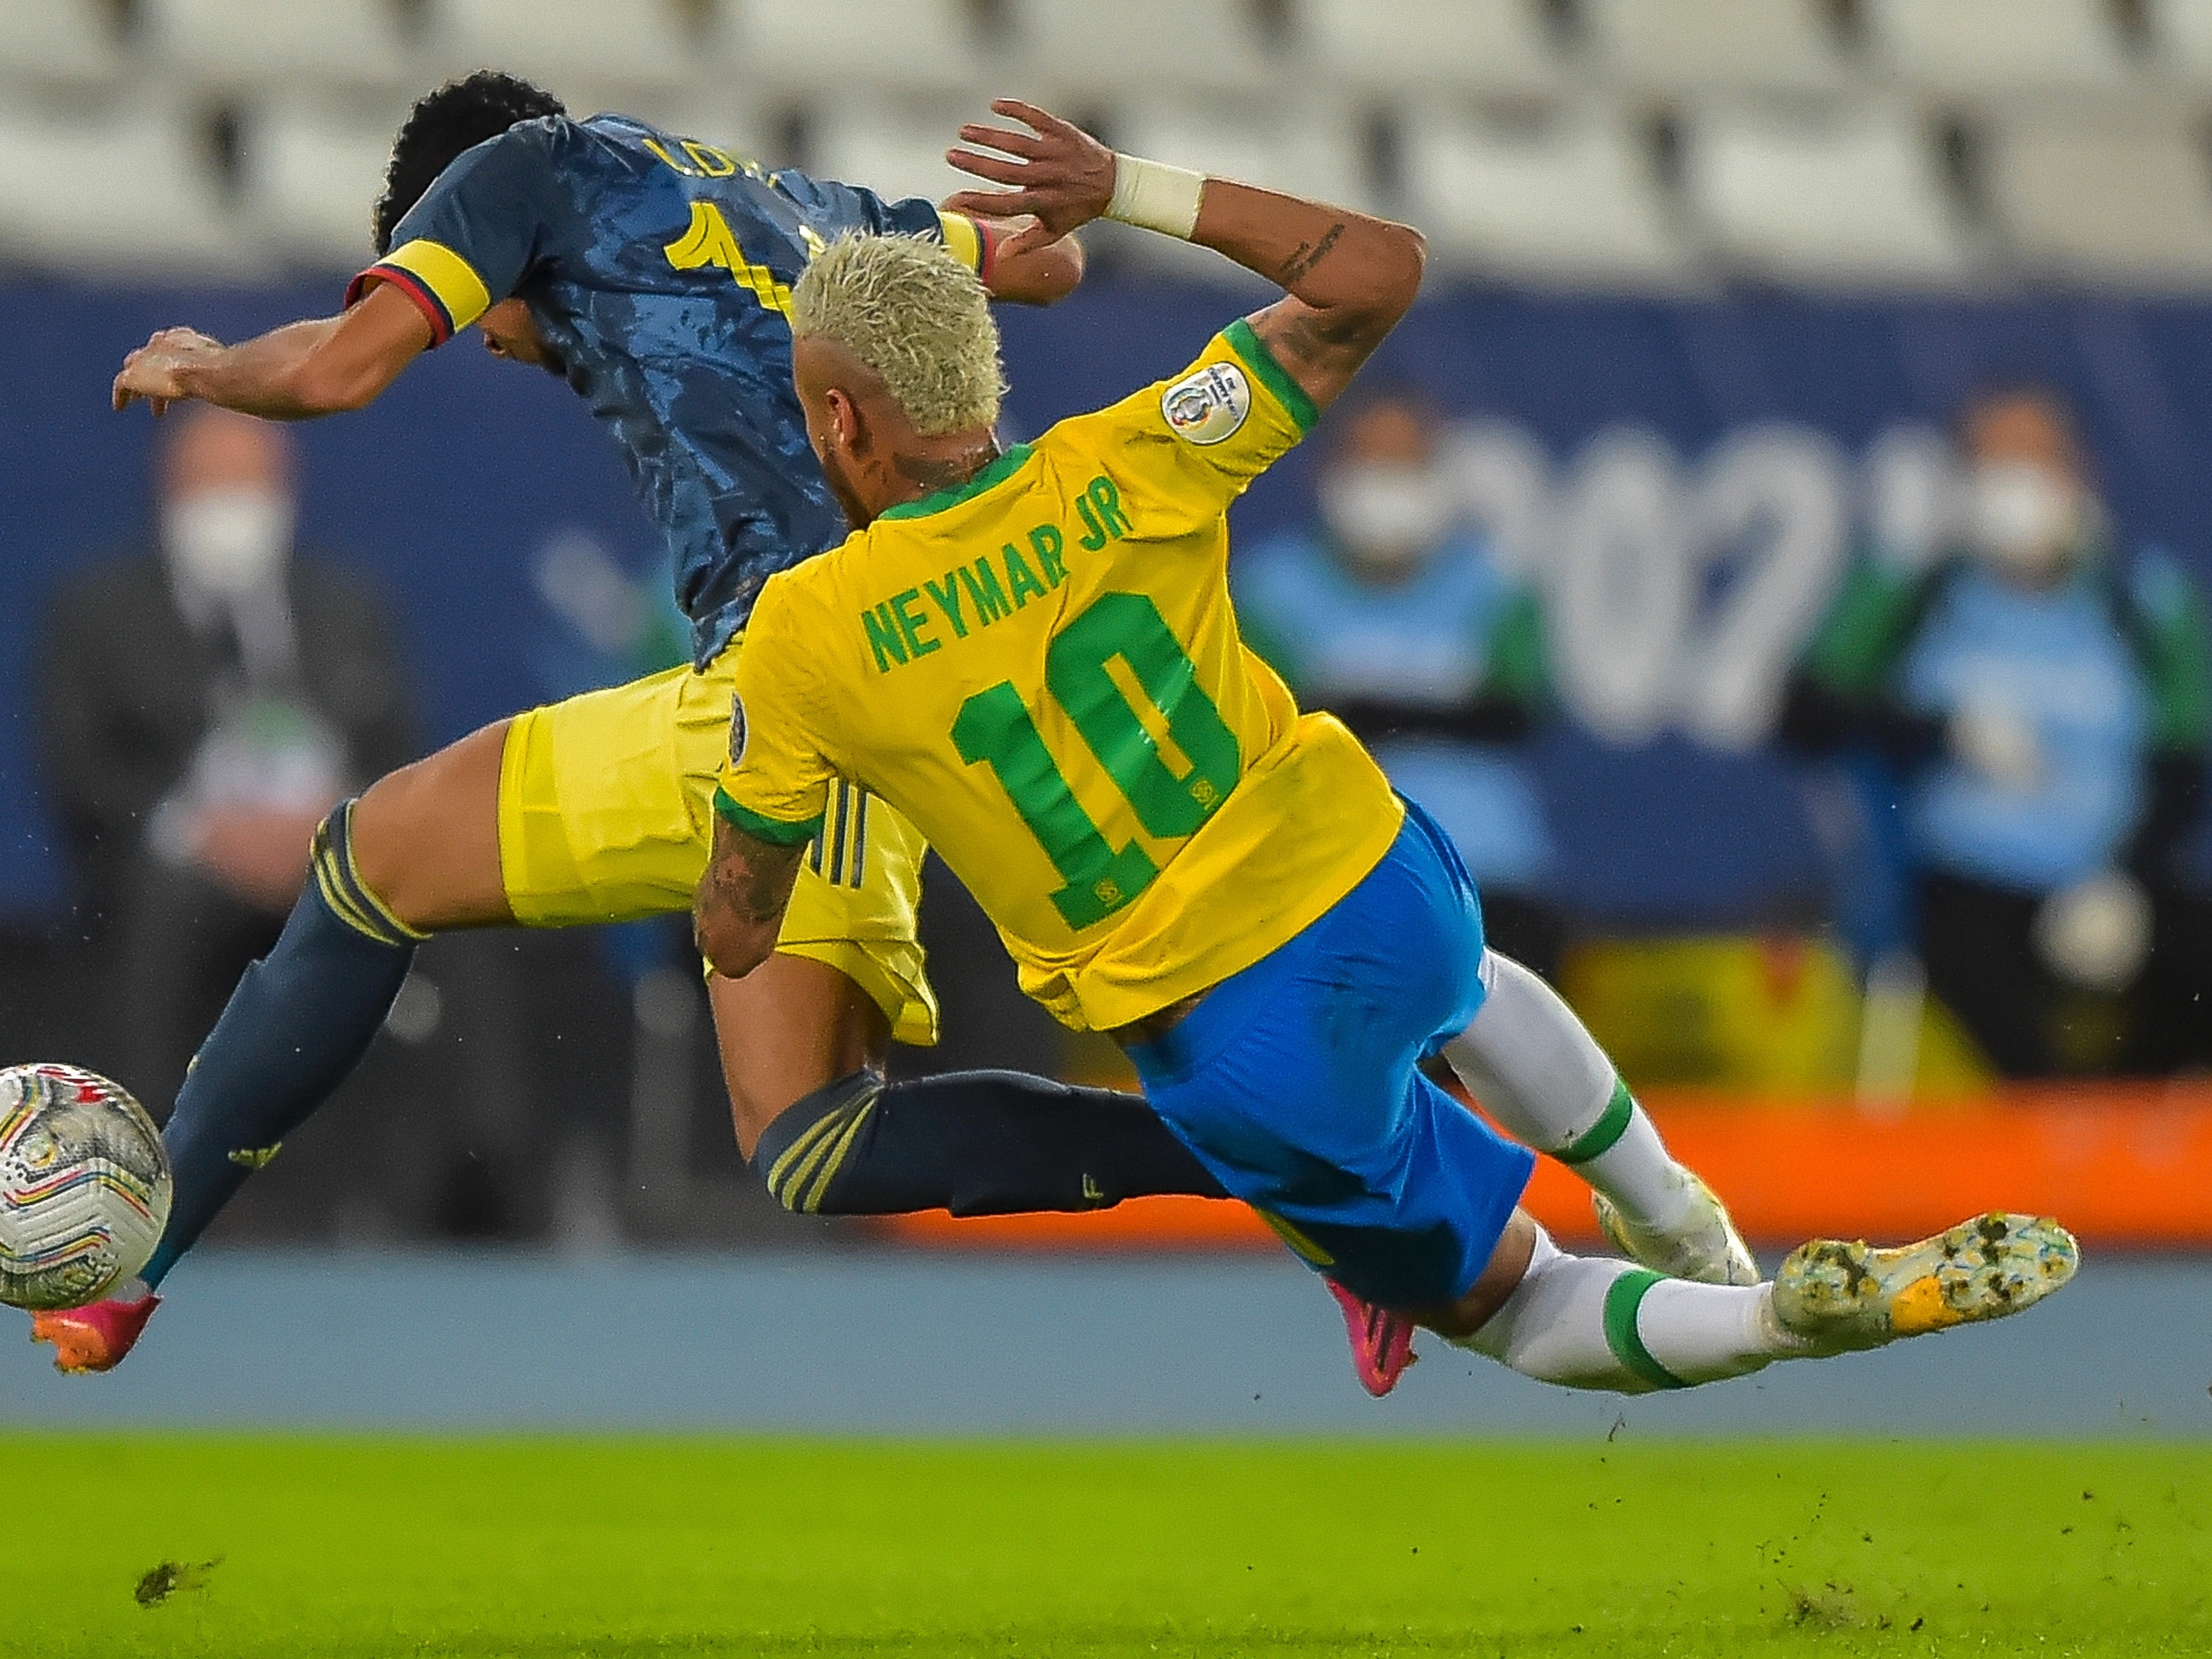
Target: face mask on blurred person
(228,542)
(1387,518)
(2023,518)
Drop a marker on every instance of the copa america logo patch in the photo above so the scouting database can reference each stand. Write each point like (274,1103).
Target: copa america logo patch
(1208,406)
(737,730)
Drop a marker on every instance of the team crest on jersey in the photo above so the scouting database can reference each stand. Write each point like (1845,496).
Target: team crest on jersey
(1208,406)
(737,730)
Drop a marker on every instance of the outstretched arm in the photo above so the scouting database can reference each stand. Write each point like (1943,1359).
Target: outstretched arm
(1350,276)
(738,911)
(290,373)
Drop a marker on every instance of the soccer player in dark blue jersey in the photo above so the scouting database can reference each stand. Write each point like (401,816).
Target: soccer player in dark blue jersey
(652,272)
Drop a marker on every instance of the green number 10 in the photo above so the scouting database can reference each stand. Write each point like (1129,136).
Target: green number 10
(995,729)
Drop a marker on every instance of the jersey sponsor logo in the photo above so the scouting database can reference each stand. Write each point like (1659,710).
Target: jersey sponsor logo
(1209,406)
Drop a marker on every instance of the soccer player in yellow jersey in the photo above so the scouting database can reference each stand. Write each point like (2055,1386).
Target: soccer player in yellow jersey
(1032,654)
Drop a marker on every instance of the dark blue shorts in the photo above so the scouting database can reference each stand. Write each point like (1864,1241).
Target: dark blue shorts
(1297,1083)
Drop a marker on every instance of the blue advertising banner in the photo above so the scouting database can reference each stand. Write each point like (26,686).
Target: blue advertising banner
(1681,481)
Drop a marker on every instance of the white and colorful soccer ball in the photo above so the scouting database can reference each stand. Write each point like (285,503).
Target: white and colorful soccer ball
(84,1186)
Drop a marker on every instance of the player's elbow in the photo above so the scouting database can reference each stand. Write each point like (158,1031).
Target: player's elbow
(733,945)
(1401,260)
(1043,276)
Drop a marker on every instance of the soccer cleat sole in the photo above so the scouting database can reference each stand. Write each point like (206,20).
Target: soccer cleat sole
(1382,1341)
(1841,1296)
(1722,1259)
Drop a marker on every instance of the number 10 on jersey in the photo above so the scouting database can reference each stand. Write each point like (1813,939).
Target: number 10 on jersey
(1130,689)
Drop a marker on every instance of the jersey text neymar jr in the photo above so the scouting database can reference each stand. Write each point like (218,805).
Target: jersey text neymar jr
(1042,670)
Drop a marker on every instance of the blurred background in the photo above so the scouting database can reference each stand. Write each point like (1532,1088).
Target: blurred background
(1776,547)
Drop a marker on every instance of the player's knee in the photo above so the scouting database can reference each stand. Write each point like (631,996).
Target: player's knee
(425,839)
(334,868)
(1509,1263)
(800,1154)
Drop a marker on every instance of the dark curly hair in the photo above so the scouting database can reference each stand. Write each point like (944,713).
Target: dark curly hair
(458,116)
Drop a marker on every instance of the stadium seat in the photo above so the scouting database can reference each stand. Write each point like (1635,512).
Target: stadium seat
(1573,200)
(1307,150)
(128,192)
(1857,199)
(2180,35)
(311,179)
(1084,49)
(1483,46)
(590,52)
(1983,50)
(56,41)
(2111,202)
(247,45)
(918,46)
(1668,47)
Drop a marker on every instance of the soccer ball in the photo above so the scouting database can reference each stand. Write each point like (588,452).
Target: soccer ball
(84,1186)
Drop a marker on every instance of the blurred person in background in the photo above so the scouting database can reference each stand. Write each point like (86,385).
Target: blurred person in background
(1392,615)
(204,703)
(2045,704)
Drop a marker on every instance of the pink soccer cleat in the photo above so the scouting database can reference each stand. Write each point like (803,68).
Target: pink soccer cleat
(1382,1341)
(96,1337)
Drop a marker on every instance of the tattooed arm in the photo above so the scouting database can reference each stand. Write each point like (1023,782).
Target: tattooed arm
(1349,277)
(738,911)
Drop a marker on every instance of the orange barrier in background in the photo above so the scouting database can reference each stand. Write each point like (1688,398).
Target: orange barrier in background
(2121,1165)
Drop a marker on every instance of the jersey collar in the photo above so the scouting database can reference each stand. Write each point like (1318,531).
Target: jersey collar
(998,472)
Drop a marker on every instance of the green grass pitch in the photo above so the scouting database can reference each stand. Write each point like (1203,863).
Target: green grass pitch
(677,1546)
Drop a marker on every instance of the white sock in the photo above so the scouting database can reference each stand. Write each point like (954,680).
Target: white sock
(1534,1068)
(1586,1323)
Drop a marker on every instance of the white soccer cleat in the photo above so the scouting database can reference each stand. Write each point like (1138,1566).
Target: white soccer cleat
(1840,1296)
(1704,1247)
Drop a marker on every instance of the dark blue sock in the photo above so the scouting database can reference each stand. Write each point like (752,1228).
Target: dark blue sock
(975,1142)
(299,1021)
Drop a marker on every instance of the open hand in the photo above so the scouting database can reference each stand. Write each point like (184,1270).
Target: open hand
(152,371)
(1062,177)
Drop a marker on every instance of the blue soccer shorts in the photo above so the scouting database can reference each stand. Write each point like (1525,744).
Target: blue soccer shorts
(1296,1082)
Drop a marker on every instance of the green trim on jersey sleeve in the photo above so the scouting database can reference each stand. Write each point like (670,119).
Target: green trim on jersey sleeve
(1866,630)
(1519,666)
(773,831)
(1253,350)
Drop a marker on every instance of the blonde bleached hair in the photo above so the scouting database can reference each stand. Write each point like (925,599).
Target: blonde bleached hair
(910,311)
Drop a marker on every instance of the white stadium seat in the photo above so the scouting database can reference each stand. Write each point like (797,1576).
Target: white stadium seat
(56,41)
(1977,50)
(1855,200)
(311,178)
(591,53)
(918,46)
(2181,39)
(2105,201)
(127,191)
(247,44)
(1668,47)
(1388,46)
(1097,49)
(1306,149)
(1572,200)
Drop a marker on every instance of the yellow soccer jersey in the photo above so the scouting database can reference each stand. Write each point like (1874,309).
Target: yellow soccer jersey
(1042,670)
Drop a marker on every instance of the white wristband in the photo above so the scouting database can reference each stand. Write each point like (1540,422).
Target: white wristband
(1153,196)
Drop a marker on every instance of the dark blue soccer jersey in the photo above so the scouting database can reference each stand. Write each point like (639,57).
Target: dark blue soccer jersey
(660,270)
